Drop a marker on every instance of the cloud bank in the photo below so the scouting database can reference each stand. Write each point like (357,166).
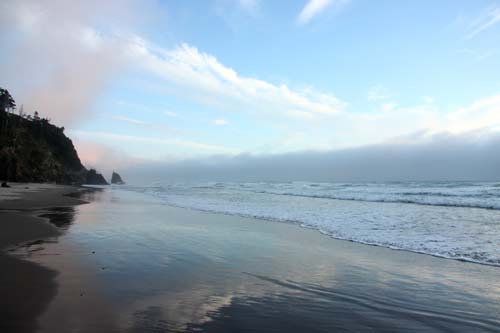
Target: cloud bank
(467,156)
(315,7)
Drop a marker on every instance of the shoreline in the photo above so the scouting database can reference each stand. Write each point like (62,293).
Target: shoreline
(209,271)
(22,204)
(26,288)
(336,238)
(164,268)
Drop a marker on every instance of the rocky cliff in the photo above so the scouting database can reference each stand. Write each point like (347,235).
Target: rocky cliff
(95,178)
(33,150)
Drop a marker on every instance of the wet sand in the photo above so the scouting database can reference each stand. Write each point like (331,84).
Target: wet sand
(25,287)
(127,263)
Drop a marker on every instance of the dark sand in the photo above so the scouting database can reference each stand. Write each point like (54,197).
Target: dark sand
(25,287)
(127,263)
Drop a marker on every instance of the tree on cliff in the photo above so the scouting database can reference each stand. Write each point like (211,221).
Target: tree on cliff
(7,103)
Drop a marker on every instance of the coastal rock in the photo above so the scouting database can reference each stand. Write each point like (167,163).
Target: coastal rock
(116,179)
(95,178)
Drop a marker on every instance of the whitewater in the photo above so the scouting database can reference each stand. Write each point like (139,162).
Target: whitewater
(456,220)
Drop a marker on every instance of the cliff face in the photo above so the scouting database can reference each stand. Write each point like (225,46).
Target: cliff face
(33,150)
(95,178)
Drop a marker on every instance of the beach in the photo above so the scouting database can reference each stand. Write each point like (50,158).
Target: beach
(126,262)
(25,287)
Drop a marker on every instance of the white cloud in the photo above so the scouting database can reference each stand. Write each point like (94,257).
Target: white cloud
(196,74)
(378,93)
(108,136)
(402,125)
(250,6)
(490,18)
(388,107)
(314,7)
(221,122)
(428,99)
(170,114)
(229,7)
(484,113)
(145,124)
(392,120)
(478,55)
(238,14)
(129,120)
(301,114)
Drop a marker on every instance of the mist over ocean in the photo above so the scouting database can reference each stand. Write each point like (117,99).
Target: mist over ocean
(457,220)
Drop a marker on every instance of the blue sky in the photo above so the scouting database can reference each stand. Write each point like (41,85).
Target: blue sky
(169,80)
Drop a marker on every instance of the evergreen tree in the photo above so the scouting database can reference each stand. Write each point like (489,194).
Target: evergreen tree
(7,103)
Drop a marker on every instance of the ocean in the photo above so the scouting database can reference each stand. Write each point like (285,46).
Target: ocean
(455,220)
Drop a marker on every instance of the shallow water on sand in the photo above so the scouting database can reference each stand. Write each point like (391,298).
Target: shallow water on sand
(456,220)
(129,263)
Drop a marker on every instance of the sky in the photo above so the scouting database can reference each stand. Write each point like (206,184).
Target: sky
(163,84)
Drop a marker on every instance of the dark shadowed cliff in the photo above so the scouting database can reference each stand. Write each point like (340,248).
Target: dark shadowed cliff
(33,150)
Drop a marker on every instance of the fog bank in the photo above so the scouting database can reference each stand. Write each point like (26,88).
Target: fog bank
(470,156)
(59,57)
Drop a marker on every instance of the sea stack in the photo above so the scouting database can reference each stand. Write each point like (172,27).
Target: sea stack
(116,179)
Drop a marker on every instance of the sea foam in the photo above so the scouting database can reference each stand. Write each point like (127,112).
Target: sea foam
(457,220)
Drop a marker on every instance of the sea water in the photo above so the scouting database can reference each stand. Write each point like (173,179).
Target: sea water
(456,220)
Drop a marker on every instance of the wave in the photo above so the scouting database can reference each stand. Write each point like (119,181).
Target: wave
(481,205)
(457,194)
(474,257)
(425,218)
